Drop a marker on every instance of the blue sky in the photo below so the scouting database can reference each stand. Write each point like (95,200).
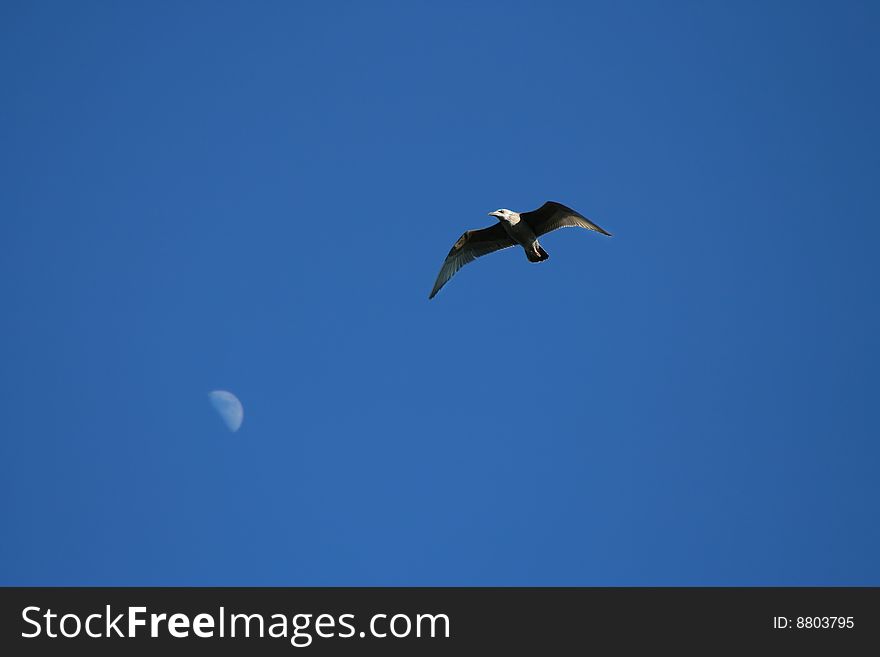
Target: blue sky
(257,197)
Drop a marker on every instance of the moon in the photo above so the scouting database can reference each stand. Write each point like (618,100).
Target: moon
(228,407)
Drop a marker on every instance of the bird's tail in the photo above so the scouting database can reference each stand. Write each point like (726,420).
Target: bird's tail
(538,254)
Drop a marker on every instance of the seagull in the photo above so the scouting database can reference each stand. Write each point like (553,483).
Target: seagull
(523,228)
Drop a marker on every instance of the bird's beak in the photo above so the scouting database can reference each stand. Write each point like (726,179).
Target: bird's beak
(493,214)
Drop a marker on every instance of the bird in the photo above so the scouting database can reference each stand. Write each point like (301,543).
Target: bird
(523,228)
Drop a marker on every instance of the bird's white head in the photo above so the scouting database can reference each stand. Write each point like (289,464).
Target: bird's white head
(505,215)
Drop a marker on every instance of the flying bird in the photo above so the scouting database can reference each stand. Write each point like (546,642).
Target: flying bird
(523,228)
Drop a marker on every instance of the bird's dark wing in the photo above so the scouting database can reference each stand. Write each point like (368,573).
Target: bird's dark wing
(470,246)
(552,215)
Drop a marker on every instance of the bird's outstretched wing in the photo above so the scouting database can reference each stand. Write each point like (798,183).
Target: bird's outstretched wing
(552,215)
(470,246)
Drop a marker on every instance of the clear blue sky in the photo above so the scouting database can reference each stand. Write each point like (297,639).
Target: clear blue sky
(257,197)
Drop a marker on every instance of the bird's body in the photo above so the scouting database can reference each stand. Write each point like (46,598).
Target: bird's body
(512,228)
(521,233)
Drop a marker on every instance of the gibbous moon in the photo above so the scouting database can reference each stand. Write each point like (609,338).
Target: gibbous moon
(228,407)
